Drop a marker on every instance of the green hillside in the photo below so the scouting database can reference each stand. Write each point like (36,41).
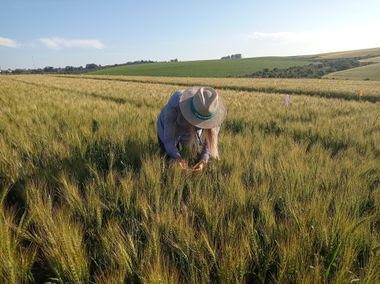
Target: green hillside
(295,66)
(369,52)
(205,68)
(369,72)
(372,59)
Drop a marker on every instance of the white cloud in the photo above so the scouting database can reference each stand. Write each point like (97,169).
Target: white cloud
(7,42)
(309,42)
(60,43)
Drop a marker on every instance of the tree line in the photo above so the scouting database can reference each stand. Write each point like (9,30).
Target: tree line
(232,56)
(315,69)
(72,69)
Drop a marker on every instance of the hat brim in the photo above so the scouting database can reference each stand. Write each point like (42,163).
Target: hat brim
(185,106)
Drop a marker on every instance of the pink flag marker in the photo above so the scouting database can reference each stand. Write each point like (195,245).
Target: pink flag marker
(287,100)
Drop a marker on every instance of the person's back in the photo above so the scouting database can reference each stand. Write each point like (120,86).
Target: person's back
(184,116)
(170,117)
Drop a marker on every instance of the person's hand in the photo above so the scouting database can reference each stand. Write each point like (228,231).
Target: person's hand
(199,166)
(182,164)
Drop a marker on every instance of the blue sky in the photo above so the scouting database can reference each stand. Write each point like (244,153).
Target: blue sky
(66,32)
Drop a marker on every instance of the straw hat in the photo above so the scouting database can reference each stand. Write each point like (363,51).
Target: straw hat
(202,107)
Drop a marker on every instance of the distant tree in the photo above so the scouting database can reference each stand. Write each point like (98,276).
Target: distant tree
(18,71)
(233,56)
(91,66)
(313,70)
(236,56)
(69,69)
(48,69)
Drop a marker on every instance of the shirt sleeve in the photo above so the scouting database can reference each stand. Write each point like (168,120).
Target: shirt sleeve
(169,139)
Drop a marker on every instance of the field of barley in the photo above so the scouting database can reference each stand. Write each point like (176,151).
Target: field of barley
(86,196)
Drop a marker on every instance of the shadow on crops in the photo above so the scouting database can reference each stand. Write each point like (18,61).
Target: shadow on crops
(280,210)
(332,144)
(240,126)
(99,155)
(237,126)
(105,155)
(15,197)
(272,128)
(262,266)
(309,116)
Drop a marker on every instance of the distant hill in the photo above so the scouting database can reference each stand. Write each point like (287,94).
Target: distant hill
(205,68)
(359,53)
(372,59)
(369,72)
(311,66)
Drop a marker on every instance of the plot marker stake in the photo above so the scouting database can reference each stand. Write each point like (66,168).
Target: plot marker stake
(287,100)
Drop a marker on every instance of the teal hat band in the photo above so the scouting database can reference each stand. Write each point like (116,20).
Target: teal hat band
(199,115)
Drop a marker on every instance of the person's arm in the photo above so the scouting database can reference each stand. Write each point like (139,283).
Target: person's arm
(169,120)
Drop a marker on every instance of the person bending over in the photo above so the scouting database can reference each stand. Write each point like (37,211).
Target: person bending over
(187,115)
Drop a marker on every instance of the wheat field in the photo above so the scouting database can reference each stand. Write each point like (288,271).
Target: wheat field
(86,196)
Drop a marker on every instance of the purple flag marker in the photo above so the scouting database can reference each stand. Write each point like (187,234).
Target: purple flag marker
(287,100)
